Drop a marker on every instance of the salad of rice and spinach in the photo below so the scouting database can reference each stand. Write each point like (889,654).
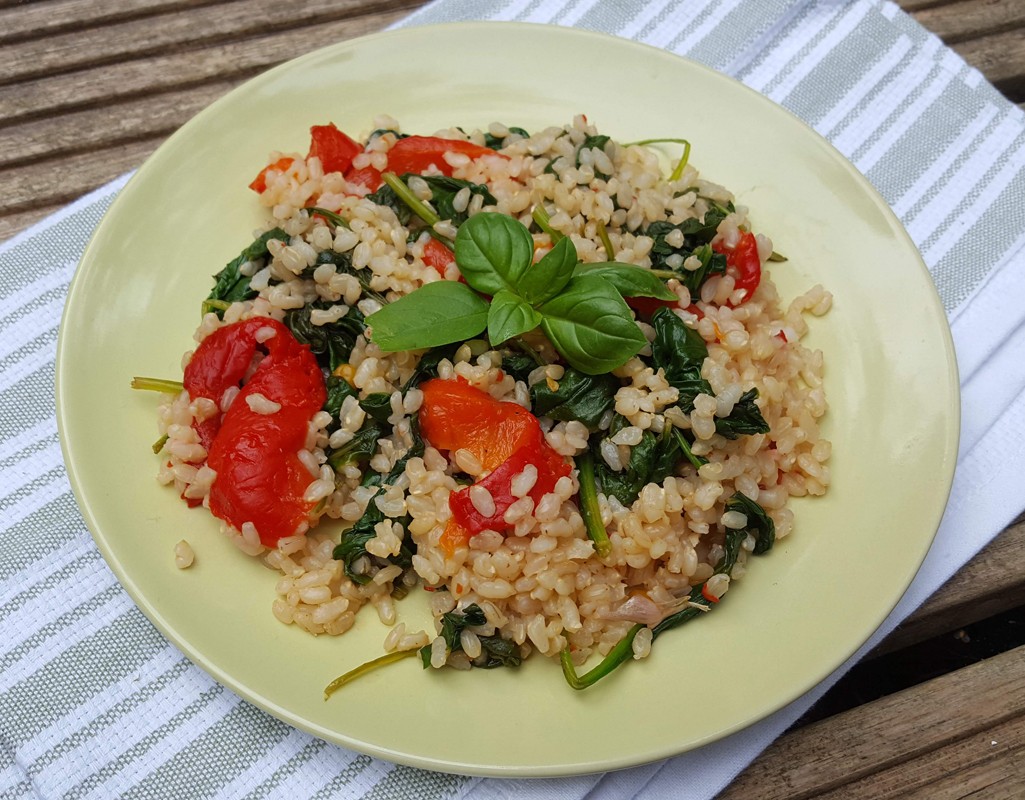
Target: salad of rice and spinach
(544,376)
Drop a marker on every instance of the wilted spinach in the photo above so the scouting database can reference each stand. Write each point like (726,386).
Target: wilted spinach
(651,461)
(745,418)
(759,524)
(495,651)
(577,396)
(679,351)
(443,192)
(230,284)
(597,142)
(498,142)
(331,343)
(353,544)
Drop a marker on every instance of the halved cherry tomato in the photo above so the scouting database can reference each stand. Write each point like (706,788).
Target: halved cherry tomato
(744,263)
(418,153)
(367,177)
(334,149)
(259,184)
(504,437)
(437,255)
(260,478)
(455,415)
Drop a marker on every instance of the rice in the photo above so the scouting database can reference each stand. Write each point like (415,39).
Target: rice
(540,584)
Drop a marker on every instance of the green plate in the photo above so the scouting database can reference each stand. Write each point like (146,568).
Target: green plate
(798,614)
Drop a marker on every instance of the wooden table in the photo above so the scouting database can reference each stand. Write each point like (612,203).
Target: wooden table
(88,90)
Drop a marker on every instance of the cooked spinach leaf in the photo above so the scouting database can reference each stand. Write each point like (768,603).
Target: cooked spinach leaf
(498,142)
(443,193)
(343,263)
(378,406)
(576,396)
(651,461)
(597,142)
(230,284)
(745,419)
(759,523)
(679,351)
(353,545)
(331,343)
(360,448)
(495,651)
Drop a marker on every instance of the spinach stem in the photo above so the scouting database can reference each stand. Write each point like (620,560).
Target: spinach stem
(540,216)
(606,242)
(589,509)
(331,216)
(416,205)
(157,385)
(619,654)
(681,164)
(363,669)
(697,461)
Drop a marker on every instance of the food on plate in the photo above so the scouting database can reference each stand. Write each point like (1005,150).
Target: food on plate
(544,376)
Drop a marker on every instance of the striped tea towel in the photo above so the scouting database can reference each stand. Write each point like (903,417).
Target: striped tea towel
(94,703)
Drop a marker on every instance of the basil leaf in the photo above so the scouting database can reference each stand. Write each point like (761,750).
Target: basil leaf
(550,275)
(510,316)
(493,252)
(590,324)
(437,313)
(629,280)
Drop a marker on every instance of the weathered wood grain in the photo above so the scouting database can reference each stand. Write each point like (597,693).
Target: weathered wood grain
(931,738)
(104,85)
(175,32)
(1001,58)
(20,20)
(989,584)
(972,19)
(148,117)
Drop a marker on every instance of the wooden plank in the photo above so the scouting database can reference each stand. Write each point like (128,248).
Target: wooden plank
(878,740)
(967,765)
(175,31)
(1001,58)
(25,21)
(100,86)
(150,116)
(28,186)
(971,19)
(989,584)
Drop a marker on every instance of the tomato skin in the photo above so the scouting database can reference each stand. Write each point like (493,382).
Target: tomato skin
(504,437)
(334,148)
(455,415)
(742,260)
(259,184)
(437,255)
(367,177)
(260,478)
(418,153)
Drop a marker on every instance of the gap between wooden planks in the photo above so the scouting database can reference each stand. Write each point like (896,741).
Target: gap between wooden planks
(957,736)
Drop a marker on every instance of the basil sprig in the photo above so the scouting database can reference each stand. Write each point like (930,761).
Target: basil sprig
(579,307)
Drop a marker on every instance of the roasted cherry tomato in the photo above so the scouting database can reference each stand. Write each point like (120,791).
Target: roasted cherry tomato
(743,263)
(504,437)
(260,478)
(334,149)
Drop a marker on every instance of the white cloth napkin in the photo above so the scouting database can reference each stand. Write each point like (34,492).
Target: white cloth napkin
(95,703)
